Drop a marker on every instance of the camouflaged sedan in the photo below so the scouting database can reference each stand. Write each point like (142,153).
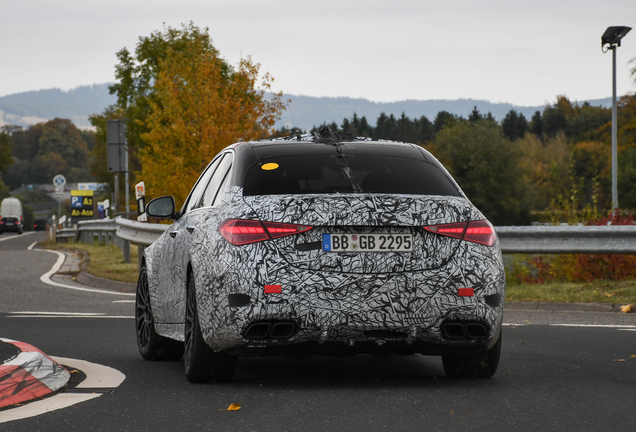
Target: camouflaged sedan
(322,244)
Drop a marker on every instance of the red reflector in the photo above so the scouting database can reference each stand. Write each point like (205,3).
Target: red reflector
(273,289)
(481,232)
(466,292)
(240,232)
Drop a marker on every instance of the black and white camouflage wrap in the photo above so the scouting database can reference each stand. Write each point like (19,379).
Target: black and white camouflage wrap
(330,296)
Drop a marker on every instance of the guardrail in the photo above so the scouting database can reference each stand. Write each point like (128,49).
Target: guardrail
(104,230)
(615,239)
(612,239)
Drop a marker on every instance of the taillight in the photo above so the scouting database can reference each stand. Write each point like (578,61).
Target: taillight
(481,232)
(240,232)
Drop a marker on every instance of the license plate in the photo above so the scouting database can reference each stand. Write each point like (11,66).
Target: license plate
(367,242)
(9,223)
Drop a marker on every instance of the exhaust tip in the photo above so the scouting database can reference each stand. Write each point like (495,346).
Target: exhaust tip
(282,330)
(258,330)
(476,331)
(454,330)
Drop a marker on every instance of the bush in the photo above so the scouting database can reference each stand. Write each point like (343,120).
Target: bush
(537,269)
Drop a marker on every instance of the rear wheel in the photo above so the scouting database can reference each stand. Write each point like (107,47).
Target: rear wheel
(474,365)
(202,364)
(151,345)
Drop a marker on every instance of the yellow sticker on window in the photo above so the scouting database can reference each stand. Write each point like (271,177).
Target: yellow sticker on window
(269,166)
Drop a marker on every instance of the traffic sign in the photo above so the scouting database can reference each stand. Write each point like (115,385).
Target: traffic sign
(140,190)
(59,180)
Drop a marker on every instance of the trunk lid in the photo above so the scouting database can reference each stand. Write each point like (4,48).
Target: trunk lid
(363,214)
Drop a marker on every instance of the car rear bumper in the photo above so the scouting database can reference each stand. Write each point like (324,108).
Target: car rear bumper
(404,312)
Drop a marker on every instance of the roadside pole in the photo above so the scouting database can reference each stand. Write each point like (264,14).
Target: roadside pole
(117,152)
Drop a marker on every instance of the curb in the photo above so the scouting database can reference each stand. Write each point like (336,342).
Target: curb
(565,307)
(26,373)
(109,284)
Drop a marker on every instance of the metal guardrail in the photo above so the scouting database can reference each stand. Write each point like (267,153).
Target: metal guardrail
(104,230)
(613,239)
(616,239)
(139,233)
(64,234)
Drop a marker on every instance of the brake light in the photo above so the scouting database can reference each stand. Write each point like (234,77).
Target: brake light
(481,232)
(240,232)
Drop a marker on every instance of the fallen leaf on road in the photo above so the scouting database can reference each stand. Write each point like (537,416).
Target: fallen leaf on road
(627,308)
(619,360)
(633,355)
(232,407)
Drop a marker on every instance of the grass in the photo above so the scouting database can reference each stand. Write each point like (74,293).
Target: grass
(600,291)
(106,261)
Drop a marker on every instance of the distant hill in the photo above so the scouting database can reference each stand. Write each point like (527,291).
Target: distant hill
(304,112)
(41,105)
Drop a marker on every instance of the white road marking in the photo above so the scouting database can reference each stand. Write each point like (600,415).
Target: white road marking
(124,301)
(623,326)
(46,277)
(32,244)
(17,236)
(60,313)
(97,376)
(627,329)
(70,316)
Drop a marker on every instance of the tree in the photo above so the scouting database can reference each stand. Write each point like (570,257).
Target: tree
(199,106)
(514,125)
(486,166)
(6,159)
(6,145)
(61,150)
(441,119)
(475,115)
(536,124)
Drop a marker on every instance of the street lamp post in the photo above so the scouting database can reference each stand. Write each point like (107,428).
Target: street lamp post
(612,37)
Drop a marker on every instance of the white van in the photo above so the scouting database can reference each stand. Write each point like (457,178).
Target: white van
(11,217)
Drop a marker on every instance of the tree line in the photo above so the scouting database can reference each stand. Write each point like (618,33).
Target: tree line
(184,103)
(555,166)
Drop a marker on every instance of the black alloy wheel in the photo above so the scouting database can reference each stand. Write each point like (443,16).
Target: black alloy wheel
(474,365)
(151,345)
(202,364)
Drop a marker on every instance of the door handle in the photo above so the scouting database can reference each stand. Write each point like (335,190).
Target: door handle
(190,229)
(173,234)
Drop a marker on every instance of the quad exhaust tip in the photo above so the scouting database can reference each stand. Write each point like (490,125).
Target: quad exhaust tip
(270,330)
(464,330)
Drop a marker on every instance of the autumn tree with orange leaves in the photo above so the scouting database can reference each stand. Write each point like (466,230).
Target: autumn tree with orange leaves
(200,107)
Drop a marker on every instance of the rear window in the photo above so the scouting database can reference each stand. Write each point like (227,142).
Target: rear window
(359,173)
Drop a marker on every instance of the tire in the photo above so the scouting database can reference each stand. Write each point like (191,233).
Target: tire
(151,345)
(202,364)
(474,365)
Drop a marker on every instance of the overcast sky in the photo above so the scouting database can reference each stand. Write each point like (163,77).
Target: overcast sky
(522,52)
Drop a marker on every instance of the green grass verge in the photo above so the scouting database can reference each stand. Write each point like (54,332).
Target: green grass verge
(106,261)
(601,291)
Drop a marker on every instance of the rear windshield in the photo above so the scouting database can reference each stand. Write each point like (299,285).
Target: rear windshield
(359,173)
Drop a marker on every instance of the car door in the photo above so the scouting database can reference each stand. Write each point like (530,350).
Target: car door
(171,271)
(204,220)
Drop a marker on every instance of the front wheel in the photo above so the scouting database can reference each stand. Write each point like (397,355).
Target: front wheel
(202,364)
(151,345)
(474,365)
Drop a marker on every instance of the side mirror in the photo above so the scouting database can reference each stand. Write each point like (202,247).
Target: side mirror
(162,207)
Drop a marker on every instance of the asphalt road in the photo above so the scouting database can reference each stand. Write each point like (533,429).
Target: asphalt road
(550,377)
